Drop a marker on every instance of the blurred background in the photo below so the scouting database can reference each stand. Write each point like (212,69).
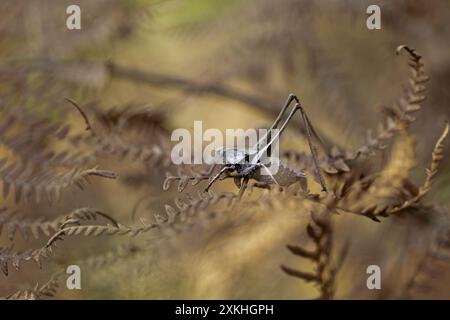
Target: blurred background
(231,64)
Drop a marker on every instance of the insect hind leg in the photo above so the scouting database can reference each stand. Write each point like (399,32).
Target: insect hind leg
(267,137)
(309,137)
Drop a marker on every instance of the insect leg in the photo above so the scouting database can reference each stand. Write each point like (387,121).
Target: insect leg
(243,188)
(261,185)
(275,124)
(312,147)
(289,100)
(217,176)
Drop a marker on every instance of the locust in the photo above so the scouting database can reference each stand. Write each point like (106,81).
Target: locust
(245,165)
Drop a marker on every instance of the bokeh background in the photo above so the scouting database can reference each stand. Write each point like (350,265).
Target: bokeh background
(177,56)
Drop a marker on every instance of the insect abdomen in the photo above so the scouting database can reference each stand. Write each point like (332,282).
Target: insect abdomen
(285,176)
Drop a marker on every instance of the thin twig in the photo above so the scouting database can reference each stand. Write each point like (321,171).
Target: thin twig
(187,85)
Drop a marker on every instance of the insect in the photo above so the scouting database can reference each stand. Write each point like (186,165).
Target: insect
(243,166)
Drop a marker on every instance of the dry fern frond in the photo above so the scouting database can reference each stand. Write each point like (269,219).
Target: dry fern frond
(396,171)
(205,205)
(95,231)
(13,222)
(436,157)
(85,117)
(320,231)
(400,115)
(184,176)
(331,163)
(72,225)
(86,214)
(434,261)
(29,139)
(9,256)
(87,231)
(112,138)
(131,117)
(102,145)
(375,193)
(73,219)
(47,290)
(36,170)
(30,182)
(99,261)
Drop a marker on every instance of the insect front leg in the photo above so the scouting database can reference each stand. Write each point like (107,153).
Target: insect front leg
(243,188)
(217,176)
(237,178)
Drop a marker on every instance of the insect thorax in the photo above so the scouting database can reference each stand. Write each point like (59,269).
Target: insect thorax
(231,156)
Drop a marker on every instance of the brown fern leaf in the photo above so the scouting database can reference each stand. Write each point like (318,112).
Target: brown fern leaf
(331,163)
(95,231)
(131,117)
(13,222)
(47,290)
(105,144)
(400,115)
(184,176)
(89,231)
(99,261)
(192,206)
(436,157)
(320,231)
(181,216)
(435,260)
(9,256)
(28,138)
(374,194)
(121,138)
(70,223)
(78,216)
(31,172)
(29,181)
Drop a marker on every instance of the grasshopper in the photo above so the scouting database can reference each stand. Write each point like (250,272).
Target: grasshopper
(243,166)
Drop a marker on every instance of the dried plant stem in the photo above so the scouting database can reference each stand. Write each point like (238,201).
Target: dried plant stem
(436,157)
(188,86)
(320,230)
